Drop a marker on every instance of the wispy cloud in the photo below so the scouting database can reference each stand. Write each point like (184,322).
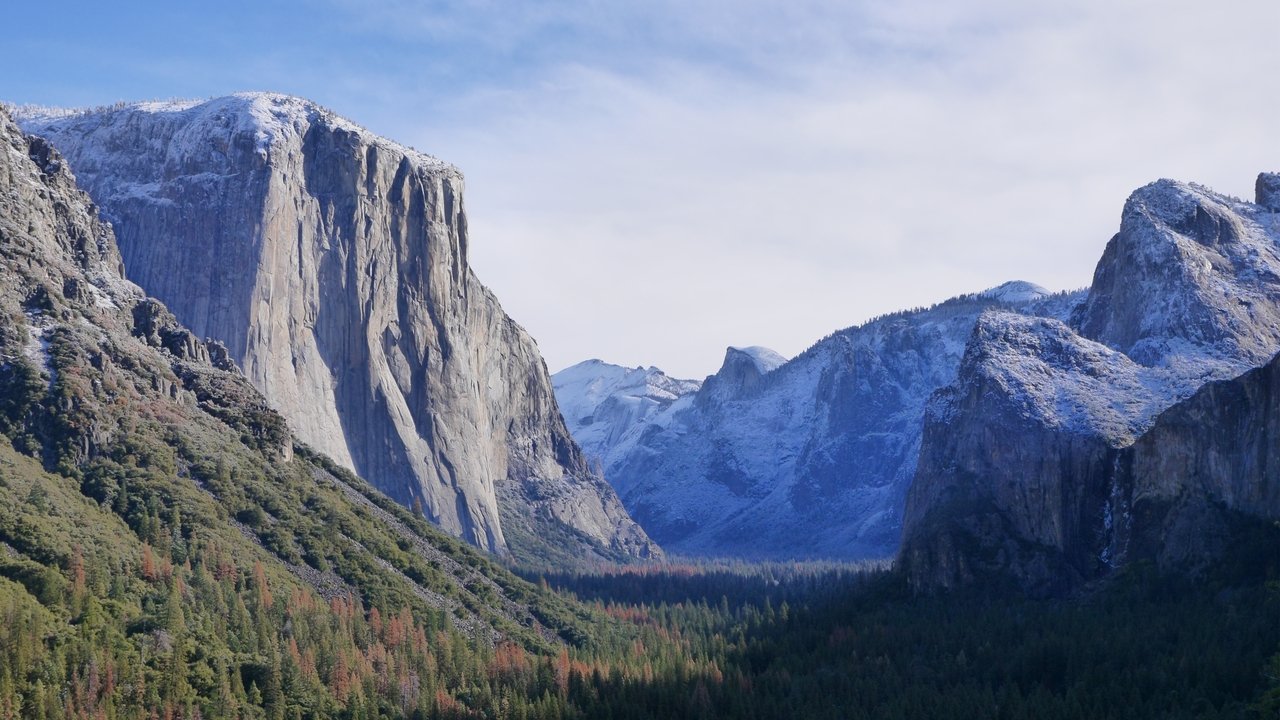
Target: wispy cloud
(773,172)
(652,181)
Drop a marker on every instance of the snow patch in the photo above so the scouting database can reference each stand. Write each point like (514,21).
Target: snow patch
(1016,291)
(1069,382)
(764,359)
(36,349)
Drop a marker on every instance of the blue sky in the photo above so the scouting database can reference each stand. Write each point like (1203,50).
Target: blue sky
(649,182)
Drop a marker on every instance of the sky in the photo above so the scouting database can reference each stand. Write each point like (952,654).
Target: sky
(650,182)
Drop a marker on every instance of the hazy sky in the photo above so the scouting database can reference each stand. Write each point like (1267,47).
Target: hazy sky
(648,182)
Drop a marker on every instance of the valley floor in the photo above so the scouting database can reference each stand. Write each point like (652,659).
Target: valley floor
(808,642)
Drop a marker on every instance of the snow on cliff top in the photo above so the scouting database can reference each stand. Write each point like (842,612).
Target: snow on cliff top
(1069,382)
(270,117)
(602,403)
(765,359)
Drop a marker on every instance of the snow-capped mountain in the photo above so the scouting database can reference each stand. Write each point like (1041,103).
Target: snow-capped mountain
(602,403)
(1025,465)
(771,458)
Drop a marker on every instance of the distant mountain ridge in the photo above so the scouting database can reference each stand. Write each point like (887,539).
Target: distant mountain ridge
(996,432)
(332,264)
(601,402)
(784,459)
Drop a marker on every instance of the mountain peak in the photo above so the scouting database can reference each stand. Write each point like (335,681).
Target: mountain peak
(1267,191)
(764,359)
(1192,272)
(1027,448)
(273,120)
(601,402)
(1172,200)
(741,374)
(1016,291)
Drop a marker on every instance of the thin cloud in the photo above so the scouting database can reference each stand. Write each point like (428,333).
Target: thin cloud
(650,182)
(654,217)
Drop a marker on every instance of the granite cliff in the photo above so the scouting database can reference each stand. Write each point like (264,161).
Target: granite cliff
(139,455)
(1063,450)
(332,264)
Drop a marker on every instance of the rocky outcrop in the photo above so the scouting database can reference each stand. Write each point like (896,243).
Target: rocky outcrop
(1016,457)
(740,375)
(76,330)
(1267,191)
(1045,462)
(1191,274)
(1086,507)
(332,264)
(806,458)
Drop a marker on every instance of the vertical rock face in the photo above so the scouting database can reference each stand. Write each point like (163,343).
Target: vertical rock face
(332,264)
(1028,466)
(806,458)
(740,375)
(1217,452)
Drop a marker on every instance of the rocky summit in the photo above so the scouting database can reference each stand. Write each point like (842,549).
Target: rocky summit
(332,264)
(1055,457)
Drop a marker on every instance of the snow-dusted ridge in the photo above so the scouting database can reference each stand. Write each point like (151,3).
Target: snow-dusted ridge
(269,115)
(1188,292)
(1069,383)
(809,457)
(813,456)
(1016,291)
(603,403)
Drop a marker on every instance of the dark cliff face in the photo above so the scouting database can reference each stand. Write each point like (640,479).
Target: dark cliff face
(1211,456)
(1063,452)
(1015,458)
(1223,442)
(332,264)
